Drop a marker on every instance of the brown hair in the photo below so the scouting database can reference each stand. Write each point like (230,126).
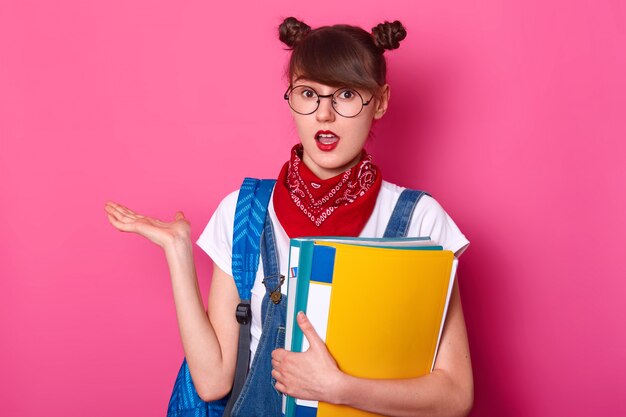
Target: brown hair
(340,55)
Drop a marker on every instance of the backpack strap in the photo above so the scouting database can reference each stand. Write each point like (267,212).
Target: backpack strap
(254,196)
(400,219)
(250,214)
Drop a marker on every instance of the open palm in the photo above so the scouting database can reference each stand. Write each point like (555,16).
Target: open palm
(157,231)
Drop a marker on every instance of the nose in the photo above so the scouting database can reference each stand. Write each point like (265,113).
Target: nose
(325,111)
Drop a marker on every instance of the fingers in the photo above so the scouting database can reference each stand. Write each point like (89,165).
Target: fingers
(276,374)
(280,381)
(308,331)
(120,217)
(277,354)
(116,209)
(280,387)
(123,213)
(124,227)
(276,359)
(120,207)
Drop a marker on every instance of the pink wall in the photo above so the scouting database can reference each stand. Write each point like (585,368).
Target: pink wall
(510,113)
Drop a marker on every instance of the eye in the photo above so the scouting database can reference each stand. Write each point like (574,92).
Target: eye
(346,94)
(307,93)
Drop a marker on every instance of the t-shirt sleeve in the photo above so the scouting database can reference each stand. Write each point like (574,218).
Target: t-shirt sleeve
(430,219)
(217,237)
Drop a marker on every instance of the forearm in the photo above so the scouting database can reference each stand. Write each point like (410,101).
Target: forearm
(432,395)
(447,391)
(200,342)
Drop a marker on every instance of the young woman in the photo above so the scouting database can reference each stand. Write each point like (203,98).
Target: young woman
(329,186)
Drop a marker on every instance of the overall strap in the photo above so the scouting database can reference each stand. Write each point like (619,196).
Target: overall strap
(271,270)
(250,215)
(401,217)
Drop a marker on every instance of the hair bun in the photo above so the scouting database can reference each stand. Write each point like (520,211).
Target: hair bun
(291,31)
(388,35)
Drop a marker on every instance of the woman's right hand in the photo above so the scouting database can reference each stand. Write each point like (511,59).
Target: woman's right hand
(161,233)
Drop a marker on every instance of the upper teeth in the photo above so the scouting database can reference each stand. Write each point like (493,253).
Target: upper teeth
(326,135)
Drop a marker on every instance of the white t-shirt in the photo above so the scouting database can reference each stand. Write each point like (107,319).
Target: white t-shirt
(428,219)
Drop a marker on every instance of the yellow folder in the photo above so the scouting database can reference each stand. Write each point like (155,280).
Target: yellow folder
(386,313)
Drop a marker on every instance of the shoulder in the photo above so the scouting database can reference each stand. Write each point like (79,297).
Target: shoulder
(428,219)
(388,196)
(390,193)
(229,202)
(231,197)
(225,210)
(217,235)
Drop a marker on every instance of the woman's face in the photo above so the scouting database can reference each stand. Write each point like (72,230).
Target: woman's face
(333,143)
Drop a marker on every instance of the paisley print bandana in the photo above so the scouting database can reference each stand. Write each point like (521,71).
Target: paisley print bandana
(339,206)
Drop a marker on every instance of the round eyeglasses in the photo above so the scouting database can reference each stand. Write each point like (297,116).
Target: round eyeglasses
(347,102)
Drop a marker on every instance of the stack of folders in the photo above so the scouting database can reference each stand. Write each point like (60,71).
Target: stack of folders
(379,304)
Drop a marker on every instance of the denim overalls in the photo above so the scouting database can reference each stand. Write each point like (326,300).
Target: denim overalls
(258,396)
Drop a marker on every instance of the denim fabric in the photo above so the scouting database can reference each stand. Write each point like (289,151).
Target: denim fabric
(258,396)
(401,217)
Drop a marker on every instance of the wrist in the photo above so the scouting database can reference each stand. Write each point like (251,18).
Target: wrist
(340,389)
(177,246)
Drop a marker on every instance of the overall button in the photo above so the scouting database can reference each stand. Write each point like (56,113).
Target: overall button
(276,296)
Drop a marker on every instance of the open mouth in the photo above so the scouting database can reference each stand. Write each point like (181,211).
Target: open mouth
(326,137)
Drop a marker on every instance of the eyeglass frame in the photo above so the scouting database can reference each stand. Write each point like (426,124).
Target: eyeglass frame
(320,96)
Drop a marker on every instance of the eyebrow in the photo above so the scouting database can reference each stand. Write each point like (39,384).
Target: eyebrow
(304,80)
(307,80)
(302,77)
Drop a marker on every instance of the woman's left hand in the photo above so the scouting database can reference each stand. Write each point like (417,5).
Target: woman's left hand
(310,375)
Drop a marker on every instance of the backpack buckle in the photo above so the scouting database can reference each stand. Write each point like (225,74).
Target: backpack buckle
(243,313)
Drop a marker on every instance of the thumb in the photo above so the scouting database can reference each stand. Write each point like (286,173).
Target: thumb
(179,215)
(309,331)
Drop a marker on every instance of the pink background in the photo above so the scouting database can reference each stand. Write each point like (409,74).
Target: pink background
(510,113)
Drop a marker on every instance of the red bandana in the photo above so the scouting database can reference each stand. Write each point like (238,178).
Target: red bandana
(339,206)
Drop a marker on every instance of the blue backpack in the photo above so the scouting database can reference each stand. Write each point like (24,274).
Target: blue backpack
(250,215)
